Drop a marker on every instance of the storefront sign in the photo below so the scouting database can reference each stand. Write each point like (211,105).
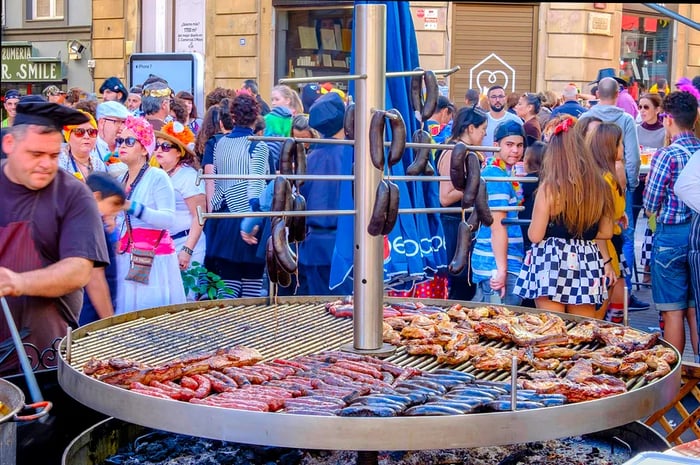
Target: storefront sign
(430,23)
(18,65)
(189,26)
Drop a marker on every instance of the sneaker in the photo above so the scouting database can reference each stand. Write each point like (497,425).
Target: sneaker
(636,305)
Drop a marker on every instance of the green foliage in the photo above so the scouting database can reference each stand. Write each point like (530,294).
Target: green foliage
(205,284)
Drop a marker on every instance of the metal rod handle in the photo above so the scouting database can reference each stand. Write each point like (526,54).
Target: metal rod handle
(32,384)
(438,72)
(350,177)
(340,77)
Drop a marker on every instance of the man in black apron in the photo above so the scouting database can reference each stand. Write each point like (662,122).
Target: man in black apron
(50,231)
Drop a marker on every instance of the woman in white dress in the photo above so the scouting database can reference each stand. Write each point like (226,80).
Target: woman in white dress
(174,143)
(150,210)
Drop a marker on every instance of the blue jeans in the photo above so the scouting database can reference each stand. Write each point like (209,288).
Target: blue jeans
(484,293)
(628,238)
(670,270)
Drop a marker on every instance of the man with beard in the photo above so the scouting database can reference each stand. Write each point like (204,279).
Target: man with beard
(498,113)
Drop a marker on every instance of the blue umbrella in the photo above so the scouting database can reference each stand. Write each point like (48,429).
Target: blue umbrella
(415,248)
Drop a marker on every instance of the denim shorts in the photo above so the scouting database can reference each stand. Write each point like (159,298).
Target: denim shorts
(484,293)
(670,271)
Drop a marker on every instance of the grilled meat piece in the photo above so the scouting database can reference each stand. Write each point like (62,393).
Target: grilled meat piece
(583,332)
(425,349)
(494,359)
(632,369)
(626,338)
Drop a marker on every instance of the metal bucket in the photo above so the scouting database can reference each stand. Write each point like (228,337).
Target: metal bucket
(12,400)
(104,439)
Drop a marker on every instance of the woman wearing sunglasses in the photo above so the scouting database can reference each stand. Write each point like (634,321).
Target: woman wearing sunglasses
(77,156)
(145,223)
(174,143)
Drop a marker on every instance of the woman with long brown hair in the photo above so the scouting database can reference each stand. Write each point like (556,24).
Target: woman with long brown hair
(605,142)
(565,270)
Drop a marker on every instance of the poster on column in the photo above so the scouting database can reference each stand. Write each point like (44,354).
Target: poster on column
(189,26)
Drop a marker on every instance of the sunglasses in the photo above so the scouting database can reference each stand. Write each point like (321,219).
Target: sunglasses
(80,132)
(129,141)
(165,146)
(645,107)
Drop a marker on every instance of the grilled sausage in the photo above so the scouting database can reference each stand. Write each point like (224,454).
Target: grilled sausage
(270,260)
(431,95)
(284,255)
(376,139)
(458,174)
(349,122)
(284,279)
(378,218)
(482,205)
(473,221)
(422,156)
(417,92)
(429,169)
(297,230)
(464,239)
(431,410)
(281,197)
(287,156)
(392,212)
(398,137)
(299,162)
(473,178)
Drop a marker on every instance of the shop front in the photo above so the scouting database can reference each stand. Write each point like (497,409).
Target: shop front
(27,73)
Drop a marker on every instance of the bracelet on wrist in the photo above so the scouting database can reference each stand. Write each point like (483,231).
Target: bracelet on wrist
(609,260)
(187,250)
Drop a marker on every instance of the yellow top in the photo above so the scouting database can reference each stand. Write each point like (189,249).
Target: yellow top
(619,206)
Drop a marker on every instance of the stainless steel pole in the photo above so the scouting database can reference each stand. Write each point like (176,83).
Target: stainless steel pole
(368,271)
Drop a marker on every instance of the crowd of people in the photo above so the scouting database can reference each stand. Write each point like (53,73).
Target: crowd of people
(131,161)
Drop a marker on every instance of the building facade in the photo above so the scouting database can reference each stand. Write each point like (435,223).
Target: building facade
(46,42)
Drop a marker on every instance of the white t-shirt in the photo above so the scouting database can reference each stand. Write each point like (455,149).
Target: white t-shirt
(184,182)
(493,123)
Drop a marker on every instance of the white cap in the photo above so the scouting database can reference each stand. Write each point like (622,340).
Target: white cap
(112,109)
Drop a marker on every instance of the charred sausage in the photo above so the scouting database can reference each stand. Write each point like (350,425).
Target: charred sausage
(417,92)
(270,260)
(482,205)
(297,231)
(422,156)
(458,174)
(300,163)
(392,212)
(378,218)
(376,139)
(473,174)
(464,239)
(287,156)
(281,197)
(284,255)
(431,95)
(349,122)
(398,137)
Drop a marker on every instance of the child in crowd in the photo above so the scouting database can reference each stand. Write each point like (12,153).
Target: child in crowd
(101,290)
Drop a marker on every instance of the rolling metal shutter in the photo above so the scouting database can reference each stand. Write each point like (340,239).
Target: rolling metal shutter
(507,30)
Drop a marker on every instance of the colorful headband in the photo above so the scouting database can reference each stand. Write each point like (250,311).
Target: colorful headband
(143,131)
(563,126)
(157,93)
(67,129)
(178,133)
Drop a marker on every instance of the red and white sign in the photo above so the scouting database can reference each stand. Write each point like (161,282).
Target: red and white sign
(420,12)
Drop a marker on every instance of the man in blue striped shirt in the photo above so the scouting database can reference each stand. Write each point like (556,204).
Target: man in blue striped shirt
(670,280)
(498,252)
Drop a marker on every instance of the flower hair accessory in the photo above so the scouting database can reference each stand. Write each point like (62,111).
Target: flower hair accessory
(563,126)
(143,131)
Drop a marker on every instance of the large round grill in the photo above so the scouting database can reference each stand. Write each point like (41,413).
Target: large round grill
(297,326)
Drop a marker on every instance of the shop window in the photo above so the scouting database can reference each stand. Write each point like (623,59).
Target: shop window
(314,43)
(646,52)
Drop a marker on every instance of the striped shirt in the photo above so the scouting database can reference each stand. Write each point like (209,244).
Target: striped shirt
(666,164)
(235,154)
(501,194)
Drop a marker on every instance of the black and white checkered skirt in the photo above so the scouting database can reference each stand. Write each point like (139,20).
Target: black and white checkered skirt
(568,271)
(646,248)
